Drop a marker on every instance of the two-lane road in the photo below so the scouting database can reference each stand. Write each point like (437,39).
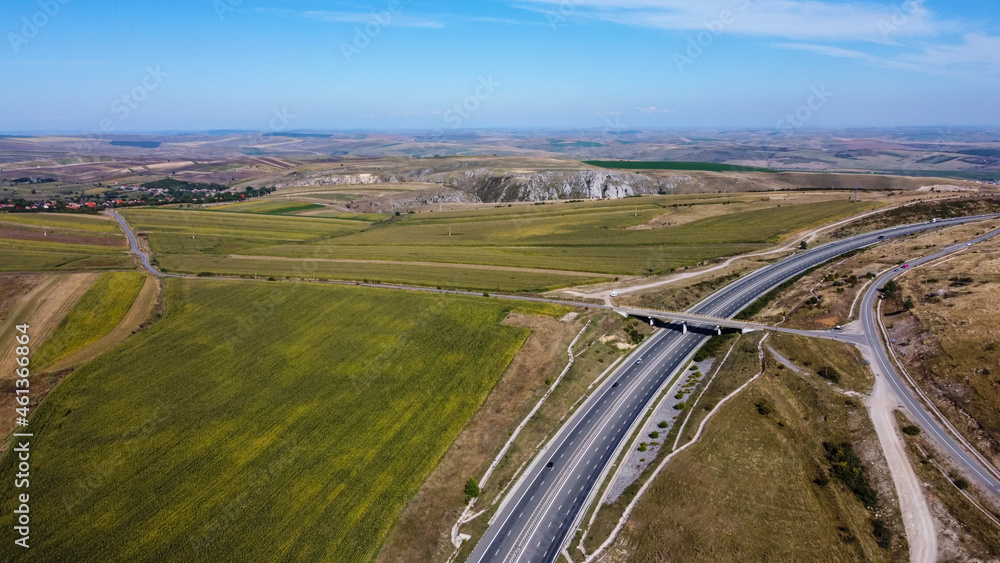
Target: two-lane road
(971,462)
(542,510)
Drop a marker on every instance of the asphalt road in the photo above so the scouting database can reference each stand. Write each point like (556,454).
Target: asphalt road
(132,240)
(543,509)
(884,367)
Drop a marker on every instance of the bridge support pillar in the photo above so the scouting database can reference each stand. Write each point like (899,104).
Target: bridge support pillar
(747,330)
(718,330)
(684,327)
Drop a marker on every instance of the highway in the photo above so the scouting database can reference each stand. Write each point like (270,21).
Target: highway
(971,462)
(542,510)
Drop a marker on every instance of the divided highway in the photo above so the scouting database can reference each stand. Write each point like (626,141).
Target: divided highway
(541,512)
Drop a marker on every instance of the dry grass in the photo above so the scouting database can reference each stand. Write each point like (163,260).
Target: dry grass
(950,341)
(964,532)
(832,285)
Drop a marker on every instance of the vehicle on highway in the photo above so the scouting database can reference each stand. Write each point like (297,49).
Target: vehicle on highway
(881,237)
(614,294)
(550,465)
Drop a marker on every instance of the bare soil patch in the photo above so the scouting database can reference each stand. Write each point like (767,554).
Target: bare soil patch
(42,309)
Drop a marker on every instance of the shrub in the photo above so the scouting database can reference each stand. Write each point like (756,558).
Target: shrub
(764,408)
(911,430)
(643,447)
(822,480)
(471,488)
(829,373)
(846,466)
(960,482)
(663,424)
(883,536)
(654,435)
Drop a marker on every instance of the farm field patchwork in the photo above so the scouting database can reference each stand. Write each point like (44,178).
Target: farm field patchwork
(608,238)
(53,241)
(98,311)
(261,429)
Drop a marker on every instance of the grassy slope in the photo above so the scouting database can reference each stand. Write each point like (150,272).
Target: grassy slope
(745,492)
(94,315)
(273,422)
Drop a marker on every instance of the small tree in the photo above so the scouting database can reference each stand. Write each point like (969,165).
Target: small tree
(803,245)
(472,488)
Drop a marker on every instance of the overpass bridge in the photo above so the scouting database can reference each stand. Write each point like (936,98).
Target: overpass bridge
(684,321)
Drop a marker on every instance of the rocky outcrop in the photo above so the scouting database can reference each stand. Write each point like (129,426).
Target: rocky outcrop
(409,200)
(489,186)
(328,179)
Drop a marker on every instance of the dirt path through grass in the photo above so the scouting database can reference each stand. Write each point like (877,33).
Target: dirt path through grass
(917,519)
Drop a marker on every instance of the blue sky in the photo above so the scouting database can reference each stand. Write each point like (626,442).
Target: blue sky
(84,65)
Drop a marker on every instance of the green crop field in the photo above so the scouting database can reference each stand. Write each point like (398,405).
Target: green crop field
(442,275)
(100,309)
(33,256)
(674,165)
(62,221)
(268,207)
(258,421)
(609,260)
(178,231)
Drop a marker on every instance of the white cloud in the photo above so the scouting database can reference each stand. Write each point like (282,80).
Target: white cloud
(790,19)
(977,50)
(384,18)
(976,56)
